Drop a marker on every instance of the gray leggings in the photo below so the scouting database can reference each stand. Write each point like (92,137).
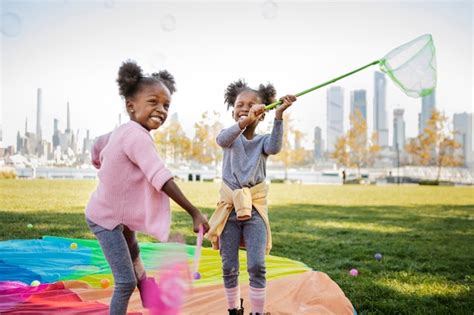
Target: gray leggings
(120,248)
(254,233)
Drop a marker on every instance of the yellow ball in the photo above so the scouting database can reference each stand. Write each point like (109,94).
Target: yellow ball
(104,283)
(73,246)
(35,283)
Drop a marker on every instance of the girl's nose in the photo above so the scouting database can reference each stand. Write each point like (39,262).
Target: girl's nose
(160,108)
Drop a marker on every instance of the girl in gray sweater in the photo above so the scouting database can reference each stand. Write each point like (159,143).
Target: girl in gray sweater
(244,166)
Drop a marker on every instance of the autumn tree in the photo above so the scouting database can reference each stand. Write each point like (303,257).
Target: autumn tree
(292,155)
(354,149)
(436,145)
(204,146)
(172,143)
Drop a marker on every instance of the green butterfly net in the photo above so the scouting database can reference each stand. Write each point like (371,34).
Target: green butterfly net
(411,66)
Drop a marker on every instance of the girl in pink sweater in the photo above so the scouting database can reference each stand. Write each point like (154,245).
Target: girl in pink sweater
(134,184)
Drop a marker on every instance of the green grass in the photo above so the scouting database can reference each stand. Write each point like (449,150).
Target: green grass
(426,235)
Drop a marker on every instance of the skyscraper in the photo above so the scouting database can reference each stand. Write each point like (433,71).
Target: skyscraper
(359,102)
(380,112)
(56,133)
(428,104)
(335,115)
(318,144)
(68,127)
(462,125)
(398,129)
(39,136)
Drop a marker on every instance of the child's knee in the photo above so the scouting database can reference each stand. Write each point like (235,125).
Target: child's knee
(127,286)
(230,271)
(257,269)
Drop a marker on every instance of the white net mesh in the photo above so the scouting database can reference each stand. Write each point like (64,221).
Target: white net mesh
(412,66)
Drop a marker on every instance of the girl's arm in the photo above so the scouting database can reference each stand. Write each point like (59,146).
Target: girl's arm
(98,146)
(273,143)
(173,191)
(140,149)
(227,136)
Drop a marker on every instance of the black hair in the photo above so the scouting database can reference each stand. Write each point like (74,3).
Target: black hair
(266,93)
(131,79)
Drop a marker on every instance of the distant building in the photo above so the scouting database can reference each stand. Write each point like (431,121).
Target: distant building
(335,116)
(428,104)
(462,125)
(318,144)
(359,102)
(380,112)
(398,130)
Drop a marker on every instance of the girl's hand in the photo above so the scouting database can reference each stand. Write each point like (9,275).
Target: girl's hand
(256,112)
(198,220)
(287,101)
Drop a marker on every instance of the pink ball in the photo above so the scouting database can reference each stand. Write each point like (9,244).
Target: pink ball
(354,272)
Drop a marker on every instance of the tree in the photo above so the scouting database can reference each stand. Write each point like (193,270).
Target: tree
(172,143)
(204,146)
(354,149)
(291,155)
(436,145)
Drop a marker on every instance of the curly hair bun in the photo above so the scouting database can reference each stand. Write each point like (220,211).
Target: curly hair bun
(128,77)
(167,79)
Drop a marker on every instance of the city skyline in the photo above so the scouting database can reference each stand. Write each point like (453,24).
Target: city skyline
(60,48)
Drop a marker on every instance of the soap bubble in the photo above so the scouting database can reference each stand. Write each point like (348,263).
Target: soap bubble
(11,24)
(269,9)
(168,23)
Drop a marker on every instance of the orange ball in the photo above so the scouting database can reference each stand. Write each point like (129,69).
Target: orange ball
(104,283)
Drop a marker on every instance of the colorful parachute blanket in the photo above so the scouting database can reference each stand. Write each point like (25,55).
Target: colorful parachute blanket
(56,275)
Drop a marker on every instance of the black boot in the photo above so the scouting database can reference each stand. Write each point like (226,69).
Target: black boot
(240,311)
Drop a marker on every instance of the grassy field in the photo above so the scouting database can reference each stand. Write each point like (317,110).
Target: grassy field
(426,235)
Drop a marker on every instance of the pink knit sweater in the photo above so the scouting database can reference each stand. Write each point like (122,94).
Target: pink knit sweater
(131,175)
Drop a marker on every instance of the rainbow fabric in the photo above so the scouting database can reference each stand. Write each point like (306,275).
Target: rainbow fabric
(70,280)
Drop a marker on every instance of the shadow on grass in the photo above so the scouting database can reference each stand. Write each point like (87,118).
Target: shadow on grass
(427,264)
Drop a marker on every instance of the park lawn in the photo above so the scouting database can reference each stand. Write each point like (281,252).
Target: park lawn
(426,235)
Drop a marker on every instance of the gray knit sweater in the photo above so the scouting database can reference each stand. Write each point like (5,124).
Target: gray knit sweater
(244,163)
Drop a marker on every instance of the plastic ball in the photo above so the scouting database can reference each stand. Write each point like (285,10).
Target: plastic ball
(35,283)
(197,275)
(378,257)
(30,226)
(354,272)
(104,283)
(73,246)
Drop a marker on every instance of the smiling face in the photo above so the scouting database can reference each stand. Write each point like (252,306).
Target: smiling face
(244,101)
(149,106)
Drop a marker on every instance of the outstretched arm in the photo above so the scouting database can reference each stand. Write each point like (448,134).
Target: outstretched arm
(173,191)
(274,142)
(227,136)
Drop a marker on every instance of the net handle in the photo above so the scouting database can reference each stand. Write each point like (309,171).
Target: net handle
(275,104)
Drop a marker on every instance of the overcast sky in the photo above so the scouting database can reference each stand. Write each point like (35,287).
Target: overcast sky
(73,49)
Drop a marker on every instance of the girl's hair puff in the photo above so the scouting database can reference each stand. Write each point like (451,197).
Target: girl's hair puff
(266,93)
(131,79)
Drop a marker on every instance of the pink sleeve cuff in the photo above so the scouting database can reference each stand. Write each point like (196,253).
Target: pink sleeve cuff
(161,177)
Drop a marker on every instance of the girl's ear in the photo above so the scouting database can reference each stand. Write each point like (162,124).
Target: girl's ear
(129,106)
